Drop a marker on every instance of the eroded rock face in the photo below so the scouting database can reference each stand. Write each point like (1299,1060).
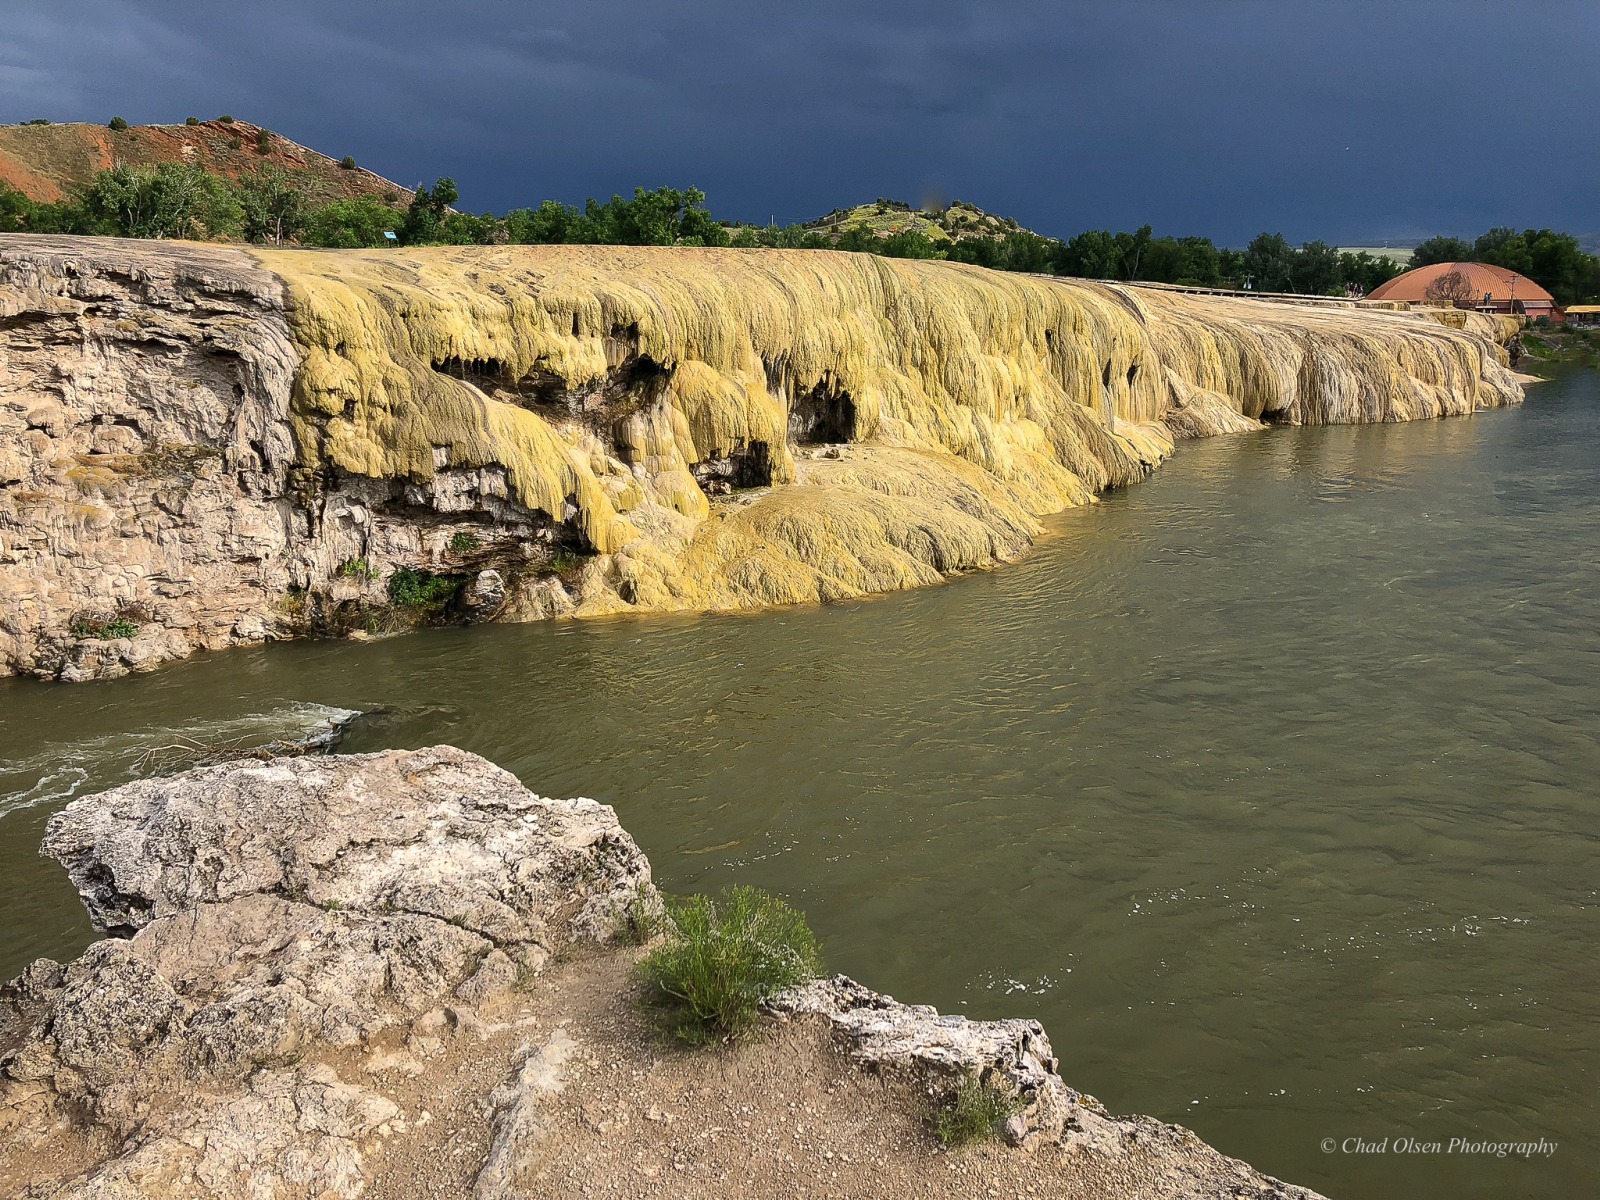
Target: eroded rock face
(144,453)
(151,501)
(275,907)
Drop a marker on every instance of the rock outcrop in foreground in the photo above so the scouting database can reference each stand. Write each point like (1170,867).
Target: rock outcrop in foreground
(310,952)
(203,446)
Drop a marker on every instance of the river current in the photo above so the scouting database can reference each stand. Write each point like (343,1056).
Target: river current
(1269,785)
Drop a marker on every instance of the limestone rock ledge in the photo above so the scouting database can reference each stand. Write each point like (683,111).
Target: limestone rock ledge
(284,925)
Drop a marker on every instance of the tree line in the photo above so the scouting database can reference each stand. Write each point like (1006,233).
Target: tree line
(1555,261)
(185,201)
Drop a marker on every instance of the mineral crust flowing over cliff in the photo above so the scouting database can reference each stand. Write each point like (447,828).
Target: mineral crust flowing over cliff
(203,446)
(386,975)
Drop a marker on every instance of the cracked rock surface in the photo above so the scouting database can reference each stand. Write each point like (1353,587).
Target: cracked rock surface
(271,909)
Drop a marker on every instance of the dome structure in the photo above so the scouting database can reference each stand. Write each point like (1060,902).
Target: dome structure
(1472,284)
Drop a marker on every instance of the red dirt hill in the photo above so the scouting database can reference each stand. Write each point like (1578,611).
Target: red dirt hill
(45,162)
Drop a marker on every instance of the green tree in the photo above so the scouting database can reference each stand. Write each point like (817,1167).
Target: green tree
(1202,263)
(1316,270)
(1368,271)
(170,200)
(658,217)
(425,217)
(1269,263)
(16,210)
(350,224)
(1093,254)
(909,243)
(273,207)
(465,229)
(1555,261)
(1163,261)
(1441,249)
(1131,248)
(550,224)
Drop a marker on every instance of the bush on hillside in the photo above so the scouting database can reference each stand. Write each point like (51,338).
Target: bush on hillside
(225,119)
(722,957)
(169,200)
(191,120)
(348,162)
(116,124)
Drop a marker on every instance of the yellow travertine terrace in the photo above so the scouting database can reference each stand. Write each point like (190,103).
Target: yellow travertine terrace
(898,420)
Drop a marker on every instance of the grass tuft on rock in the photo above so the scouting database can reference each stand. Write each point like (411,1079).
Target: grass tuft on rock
(721,958)
(973,1112)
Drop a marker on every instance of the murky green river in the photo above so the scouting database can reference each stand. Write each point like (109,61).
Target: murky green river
(1270,785)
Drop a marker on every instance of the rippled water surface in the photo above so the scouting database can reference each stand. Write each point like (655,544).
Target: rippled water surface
(1270,785)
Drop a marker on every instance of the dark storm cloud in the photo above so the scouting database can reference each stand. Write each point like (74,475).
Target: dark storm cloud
(1223,118)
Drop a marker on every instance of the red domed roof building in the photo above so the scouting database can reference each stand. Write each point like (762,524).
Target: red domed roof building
(1482,286)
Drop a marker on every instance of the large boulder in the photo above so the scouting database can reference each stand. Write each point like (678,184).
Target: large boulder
(266,908)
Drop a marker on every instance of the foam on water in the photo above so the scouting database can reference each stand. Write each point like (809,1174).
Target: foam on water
(58,771)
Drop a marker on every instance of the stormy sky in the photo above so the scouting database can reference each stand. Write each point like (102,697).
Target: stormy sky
(1345,120)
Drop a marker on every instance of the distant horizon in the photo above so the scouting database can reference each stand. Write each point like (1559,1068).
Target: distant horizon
(1345,121)
(1590,240)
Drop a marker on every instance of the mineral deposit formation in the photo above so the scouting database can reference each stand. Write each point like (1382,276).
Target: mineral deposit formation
(204,446)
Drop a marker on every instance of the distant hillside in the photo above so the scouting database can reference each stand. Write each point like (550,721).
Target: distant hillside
(45,162)
(888,217)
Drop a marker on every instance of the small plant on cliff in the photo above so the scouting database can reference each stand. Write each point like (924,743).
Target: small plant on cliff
(225,119)
(106,630)
(565,562)
(462,542)
(722,957)
(263,142)
(359,569)
(116,124)
(348,162)
(421,589)
(973,1112)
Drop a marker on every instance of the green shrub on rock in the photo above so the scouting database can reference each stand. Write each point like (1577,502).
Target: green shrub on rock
(421,589)
(721,958)
(973,1112)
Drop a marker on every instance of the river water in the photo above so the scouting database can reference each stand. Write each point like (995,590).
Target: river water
(1269,785)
